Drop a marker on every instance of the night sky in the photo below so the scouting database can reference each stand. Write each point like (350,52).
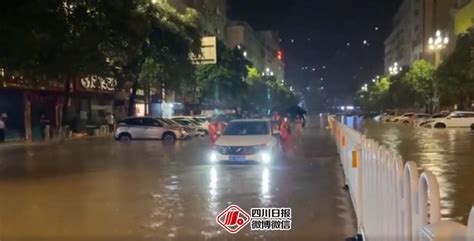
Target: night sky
(329,36)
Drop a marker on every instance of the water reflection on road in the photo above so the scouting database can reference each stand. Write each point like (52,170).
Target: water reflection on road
(448,153)
(99,189)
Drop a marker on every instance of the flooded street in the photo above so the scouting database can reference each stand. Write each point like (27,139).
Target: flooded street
(448,153)
(99,189)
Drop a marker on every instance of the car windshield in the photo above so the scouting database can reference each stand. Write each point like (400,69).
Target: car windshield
(168,121)
(193,121)
(247,128)
(200,120)
(164,122)
(183,122)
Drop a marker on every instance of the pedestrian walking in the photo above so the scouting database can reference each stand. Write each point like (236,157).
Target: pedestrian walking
(213,130)
(109,118)
(45,125)
(276,122)
(285,136)
(3,129)
(298,128)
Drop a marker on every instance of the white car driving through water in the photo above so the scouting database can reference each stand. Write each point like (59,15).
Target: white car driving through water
(247,140)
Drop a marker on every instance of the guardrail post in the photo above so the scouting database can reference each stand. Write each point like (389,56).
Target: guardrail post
(356,158)
(391,200)
(470,226)
(410,196)
(428,213)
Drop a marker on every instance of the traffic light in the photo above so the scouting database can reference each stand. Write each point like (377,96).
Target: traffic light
(279,55)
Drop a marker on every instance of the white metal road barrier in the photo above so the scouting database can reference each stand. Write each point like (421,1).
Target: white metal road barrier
(392,200)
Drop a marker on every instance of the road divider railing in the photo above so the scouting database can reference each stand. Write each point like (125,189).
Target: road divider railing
(392,200)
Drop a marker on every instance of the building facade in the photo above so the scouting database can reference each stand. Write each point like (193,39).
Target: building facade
(271,45)
(398,46)
(259,47)
(241,34)
(414,23)
(213,15)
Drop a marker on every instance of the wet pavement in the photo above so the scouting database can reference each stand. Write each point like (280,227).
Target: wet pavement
(99,189)
(448,153)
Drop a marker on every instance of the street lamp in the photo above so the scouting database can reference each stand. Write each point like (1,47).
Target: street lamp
(394,69)
(436,44)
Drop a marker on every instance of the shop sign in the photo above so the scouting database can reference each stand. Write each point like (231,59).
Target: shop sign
(99,83)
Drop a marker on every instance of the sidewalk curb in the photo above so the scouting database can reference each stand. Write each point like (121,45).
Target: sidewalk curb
(14,144)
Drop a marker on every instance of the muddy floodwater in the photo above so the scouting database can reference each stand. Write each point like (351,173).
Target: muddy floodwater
(99,189)
(448,153)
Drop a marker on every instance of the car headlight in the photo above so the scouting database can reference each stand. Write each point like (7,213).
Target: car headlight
(266,157)
(213,156)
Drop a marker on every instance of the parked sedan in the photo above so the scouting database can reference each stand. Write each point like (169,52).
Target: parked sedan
(199,122)
(187,132)
(196,129)
(455,119)
(146,128)
(387,117)
(422,123)
(418,117)
(401,118)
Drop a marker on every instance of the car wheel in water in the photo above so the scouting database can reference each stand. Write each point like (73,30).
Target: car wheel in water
(169,137)
(125,137)
(440,125)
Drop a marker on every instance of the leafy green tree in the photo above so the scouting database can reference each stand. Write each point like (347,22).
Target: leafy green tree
(53,40)
(265,93)
(456,73)
(170,41)
(223,84)
(421,77)
(376,97)
(148,78)
(402,94)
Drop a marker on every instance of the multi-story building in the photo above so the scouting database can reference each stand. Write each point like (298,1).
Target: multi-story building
(213,14)
(241,34)
(271,45)
(414,23)
(398,45)
(261,48)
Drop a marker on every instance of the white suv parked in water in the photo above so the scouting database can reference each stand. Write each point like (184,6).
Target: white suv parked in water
(141,128)
(455,119)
